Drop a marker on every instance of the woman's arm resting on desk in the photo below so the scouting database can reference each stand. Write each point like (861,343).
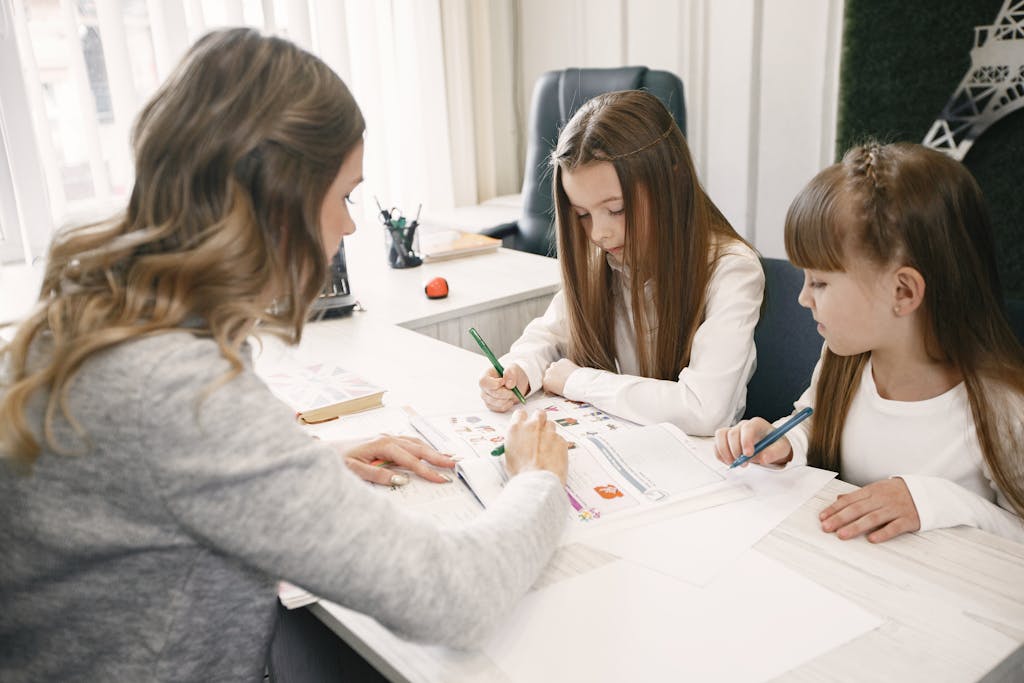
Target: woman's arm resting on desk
(286,505)
(405,452)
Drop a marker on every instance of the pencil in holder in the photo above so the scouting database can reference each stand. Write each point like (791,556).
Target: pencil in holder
(401,243)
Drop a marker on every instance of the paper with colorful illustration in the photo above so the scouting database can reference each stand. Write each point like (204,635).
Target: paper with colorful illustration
(616,469)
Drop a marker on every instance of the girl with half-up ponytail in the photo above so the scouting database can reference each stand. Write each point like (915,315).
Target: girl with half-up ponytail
(660,296)
(919,393)
(152,489)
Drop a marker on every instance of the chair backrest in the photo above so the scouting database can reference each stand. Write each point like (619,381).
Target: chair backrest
(1015,314)
(787,341)
(556,97)
(789,346)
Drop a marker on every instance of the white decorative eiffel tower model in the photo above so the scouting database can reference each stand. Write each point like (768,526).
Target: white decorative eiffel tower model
(992,88)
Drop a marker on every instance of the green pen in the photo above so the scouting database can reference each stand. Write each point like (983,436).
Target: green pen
(494,361)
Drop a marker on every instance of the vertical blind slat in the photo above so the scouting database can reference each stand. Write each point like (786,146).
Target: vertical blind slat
(234,12)
(331,32)
(86,103)
(123,96)
(298,23)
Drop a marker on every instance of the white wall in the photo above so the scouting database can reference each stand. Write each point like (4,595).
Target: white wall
(760,78)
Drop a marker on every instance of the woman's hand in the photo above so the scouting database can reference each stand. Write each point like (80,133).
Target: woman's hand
(732,442)
(497,391)
(557,375)
(373,459)
(533,444)
(884,509)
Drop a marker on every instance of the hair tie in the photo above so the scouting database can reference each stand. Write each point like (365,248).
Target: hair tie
(72,270)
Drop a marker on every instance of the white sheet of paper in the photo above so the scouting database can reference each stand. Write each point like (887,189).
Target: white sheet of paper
(623,622)
(699,546)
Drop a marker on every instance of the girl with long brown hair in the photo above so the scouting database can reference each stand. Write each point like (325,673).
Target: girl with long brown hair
(919,393)
(152,489)
(660,296)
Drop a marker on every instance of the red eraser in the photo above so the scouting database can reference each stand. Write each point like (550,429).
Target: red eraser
(436,288)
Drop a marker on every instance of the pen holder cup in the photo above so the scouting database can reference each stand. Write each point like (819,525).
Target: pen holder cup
(400,247)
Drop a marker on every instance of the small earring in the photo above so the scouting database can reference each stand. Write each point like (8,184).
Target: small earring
(896,310)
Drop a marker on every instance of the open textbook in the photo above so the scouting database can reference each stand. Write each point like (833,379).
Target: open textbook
(617,470)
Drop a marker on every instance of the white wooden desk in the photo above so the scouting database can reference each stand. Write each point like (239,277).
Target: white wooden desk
(952,601)
(499,292)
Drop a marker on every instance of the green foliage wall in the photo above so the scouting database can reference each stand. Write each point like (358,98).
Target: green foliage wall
(901,62)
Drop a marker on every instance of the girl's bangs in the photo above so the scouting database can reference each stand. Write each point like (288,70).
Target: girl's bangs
(814,240)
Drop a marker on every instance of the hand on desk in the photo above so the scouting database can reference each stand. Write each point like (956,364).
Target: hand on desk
(497,391)
(533,444)
(884,509)
(732,442)
(405,452)
(557,375)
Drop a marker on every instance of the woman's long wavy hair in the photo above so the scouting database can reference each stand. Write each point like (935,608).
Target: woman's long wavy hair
(233,158)
(674,234)
(904,204)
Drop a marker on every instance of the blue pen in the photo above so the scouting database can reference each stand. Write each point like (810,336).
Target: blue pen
(774,436)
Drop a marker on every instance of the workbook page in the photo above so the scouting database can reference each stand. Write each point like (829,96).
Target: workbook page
(617,469)
(477,433)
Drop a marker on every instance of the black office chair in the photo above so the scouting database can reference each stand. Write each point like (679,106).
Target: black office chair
(305,650)
(787,341)
(556,97)
(1015,314)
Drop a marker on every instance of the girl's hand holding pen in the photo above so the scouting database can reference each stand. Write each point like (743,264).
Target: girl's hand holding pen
(496,391)
(557,375)
(738,440)
(406,452)
(533,444)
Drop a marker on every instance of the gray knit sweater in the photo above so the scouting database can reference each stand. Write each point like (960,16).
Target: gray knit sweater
(153,553)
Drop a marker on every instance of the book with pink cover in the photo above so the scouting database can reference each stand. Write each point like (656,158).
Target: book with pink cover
(323,391)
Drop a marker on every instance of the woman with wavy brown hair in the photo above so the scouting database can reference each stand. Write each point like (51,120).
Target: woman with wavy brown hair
(660,296)
(919,392)
(153,489)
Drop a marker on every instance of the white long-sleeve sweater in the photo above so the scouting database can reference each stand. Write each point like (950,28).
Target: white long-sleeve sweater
(710,392)
(932,445)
